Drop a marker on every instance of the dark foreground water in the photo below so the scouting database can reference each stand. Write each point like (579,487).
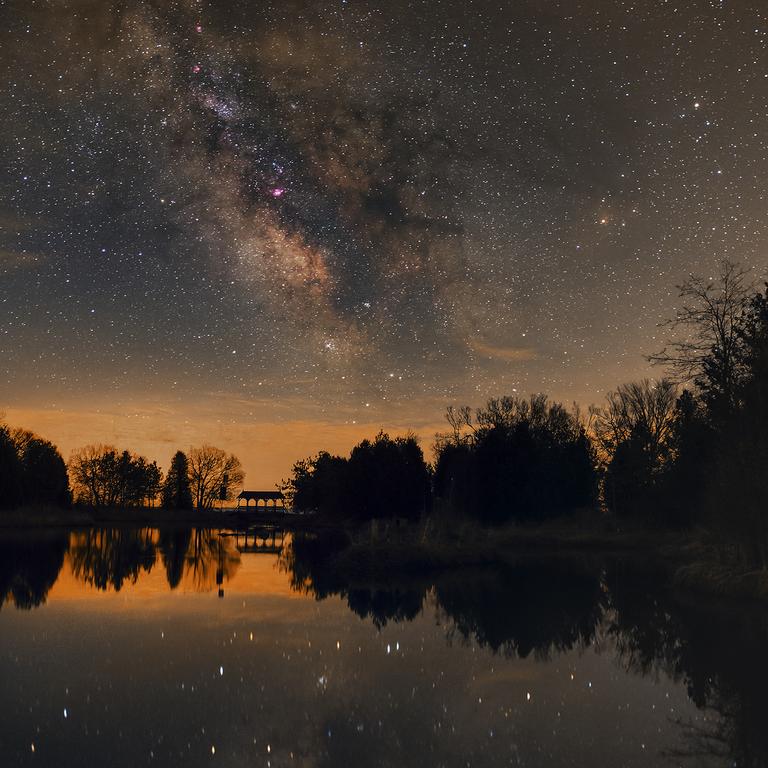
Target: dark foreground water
(197,648)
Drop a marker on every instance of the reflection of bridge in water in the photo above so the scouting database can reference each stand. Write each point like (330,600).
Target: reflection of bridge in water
(258,540)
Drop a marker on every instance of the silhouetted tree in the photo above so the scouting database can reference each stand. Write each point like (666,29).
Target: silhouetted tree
(93,470)
(103,477)
(318,483)
(454,479)
(387,477)
(720,442)
(634,433)
(213,475)
(739,494)
(176,491)
(11,472)
(383,477)
(45,479)
(682,493)
(515,459)
(710,350)
(139,480)
(31,470)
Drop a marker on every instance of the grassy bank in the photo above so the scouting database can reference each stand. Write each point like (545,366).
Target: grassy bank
(691,562)
(431,547)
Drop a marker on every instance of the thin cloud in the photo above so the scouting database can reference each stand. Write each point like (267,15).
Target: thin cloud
(12,260)
(508,354)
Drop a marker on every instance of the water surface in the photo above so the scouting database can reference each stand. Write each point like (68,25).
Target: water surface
(201,648)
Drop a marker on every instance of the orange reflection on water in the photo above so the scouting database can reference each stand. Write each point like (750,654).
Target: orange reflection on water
(134,564)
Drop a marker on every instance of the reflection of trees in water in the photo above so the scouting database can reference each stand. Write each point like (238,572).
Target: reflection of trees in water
(211,559)
(548,607)
(29,566)
(173,545)
(310,562)
(108,557)
(718,653)
(530,607)
(540,607)
(534,606)
(382,604)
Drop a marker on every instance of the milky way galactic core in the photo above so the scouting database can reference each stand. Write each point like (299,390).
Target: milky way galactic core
(351,210)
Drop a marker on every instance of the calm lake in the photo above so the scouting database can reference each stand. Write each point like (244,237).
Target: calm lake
(205,648)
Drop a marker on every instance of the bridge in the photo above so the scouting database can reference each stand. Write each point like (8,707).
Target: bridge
(276,497)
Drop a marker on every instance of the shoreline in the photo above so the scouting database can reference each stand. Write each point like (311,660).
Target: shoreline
(153,517)
(432,547)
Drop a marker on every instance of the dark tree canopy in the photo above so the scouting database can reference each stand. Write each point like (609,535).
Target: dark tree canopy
(383,477)
(11,472)
(708,347)
(716,452)
(633,432)
(104,477)
(45,473)
(214,475)
(515,459)
(176,491)
(32,471)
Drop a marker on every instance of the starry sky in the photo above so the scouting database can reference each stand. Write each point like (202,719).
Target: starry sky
(280,226)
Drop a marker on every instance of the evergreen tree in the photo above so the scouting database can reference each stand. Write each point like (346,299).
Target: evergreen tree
(176,492)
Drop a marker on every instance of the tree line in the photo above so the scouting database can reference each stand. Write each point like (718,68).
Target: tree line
(690,448)
(33,473)
(380,476)
(687,449)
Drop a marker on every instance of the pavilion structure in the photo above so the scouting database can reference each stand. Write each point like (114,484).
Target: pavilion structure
(262,500)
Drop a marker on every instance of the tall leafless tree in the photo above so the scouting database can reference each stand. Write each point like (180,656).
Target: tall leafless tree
(213,475)
(642,410)
(706,348)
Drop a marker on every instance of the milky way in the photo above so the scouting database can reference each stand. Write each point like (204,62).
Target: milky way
(367,206)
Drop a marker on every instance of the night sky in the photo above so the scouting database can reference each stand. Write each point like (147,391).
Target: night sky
(279,226)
